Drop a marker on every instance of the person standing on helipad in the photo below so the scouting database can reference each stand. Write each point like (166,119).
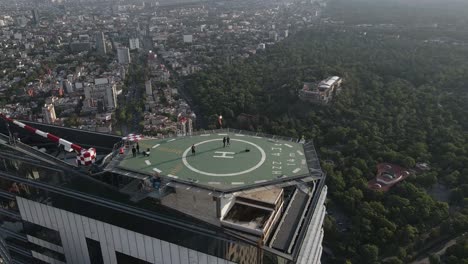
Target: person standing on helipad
(134,151)
(224,142)
(193,149)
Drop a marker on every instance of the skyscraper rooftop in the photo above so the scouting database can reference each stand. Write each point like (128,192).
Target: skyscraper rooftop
(247,160)
(258,199)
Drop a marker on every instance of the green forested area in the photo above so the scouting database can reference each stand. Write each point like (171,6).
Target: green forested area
(456,254)
(404,101)
(399,12)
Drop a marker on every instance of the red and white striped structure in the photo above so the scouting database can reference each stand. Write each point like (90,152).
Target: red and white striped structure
(83,157)
(133,137)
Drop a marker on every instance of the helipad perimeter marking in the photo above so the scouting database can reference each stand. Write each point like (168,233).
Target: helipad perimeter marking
(260,163)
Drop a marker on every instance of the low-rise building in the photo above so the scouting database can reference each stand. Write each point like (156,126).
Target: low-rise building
(387,176)
(323,92)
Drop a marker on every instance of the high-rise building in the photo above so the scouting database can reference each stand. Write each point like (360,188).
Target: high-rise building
(101,43)
(273,35)
(68,83)
(123,55)
(48,111)
(148,88)
(103,91)
(188,38)
(134,43)
(260,199)
(123,72)
(35,16)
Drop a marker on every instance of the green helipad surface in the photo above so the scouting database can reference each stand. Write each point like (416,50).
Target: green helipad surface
(218,166)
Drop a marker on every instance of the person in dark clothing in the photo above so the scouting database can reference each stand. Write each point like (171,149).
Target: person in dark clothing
(224,142)
(193,149)
(156,181)
(134,151)
(228,140)
(138,148)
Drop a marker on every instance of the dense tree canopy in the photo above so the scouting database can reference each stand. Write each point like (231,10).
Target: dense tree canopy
(404,101)
(457,253)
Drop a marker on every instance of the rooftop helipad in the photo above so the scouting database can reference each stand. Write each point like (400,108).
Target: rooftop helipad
(247,160)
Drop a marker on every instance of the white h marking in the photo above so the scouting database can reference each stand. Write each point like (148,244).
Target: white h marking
(224,155)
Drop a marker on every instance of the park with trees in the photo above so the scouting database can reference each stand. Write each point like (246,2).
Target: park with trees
(403,101)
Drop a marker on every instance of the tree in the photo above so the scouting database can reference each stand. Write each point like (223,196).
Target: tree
(393,260)
(408,233)
(72,121)
(369,253)
(398,108)
(434,259)
(408,162)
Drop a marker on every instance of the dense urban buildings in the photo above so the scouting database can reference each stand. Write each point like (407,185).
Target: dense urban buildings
(72,44)
(88,71)
(258,199)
